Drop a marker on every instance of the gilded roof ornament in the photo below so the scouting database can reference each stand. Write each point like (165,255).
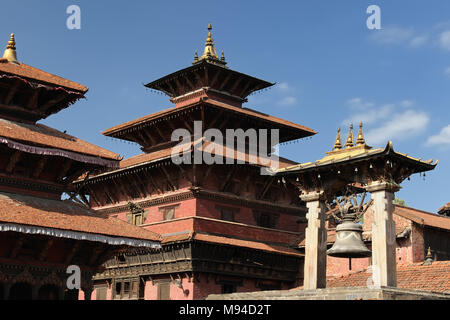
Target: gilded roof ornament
(360,139)
(195,57)
(209,53)
(338,143)
(10,52)
(349,142)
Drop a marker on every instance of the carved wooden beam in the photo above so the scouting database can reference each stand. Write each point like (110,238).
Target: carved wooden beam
(33,101)
(72,252)
(247,85)
(188,126)
(189,82)
(152,182)
(236,84)
(12,91)
(159,132)
(17,245)
(171,183)
(13,161)
(64,169)
(44,251)
(132,179)
(185,174)
(266,187)
(228,179)
(149,136)
(53,102)
(39,167)
(215,78)
(225,82)
(92,195)
(174,92)
(216,118)
(205,176)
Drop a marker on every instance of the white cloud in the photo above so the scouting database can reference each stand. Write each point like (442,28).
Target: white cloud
(400,126)
(284,87)
(288,101)
(393,121)
(418,41)
(447,71)
(393,35)
(443,138)
(444,40)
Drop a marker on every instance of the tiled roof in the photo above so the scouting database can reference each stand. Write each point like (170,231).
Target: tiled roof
(65,215)
(423,217)
(232,242)
(434,277)
(209,102)
(41,135)
(32,73)
(146,158)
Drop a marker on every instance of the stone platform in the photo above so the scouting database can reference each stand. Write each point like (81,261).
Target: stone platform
(345,293)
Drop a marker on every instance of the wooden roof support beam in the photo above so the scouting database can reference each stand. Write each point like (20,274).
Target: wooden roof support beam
(171,183)
(44,251)
(12,91)
(39,168)
(17,245)
(215,78)
(148,135)
(266,187)
(216,118)
(189,82)
(228,179)
(13,161)
(225,82)
(64,169)
(244,89)
(152,181)
(185,174)
(33,101)
(53,102)
(159,133)
(205,176)
(236,84)
(92,195)
(72,252)
(132,178)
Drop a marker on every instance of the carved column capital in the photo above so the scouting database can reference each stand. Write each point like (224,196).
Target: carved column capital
(313,196)
(383,186)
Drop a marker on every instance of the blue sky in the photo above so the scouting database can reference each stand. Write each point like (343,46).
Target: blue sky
(329,67)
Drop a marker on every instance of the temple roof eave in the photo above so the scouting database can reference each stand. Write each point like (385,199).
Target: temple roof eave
(363,155)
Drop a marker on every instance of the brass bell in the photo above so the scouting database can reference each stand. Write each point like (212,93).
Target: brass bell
(349,243)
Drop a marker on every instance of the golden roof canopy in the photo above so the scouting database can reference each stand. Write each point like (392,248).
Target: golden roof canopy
(209,53)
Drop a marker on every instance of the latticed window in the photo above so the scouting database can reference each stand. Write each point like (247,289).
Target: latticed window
(168,212)
(227,213)
(266,219)
(126,289)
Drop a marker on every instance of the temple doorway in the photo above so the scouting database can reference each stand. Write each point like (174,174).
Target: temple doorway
(48,292)
(20,291)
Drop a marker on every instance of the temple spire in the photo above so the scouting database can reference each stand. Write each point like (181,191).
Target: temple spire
(360,139)
(338,143)
(349,142)
(10,52)
(210,53)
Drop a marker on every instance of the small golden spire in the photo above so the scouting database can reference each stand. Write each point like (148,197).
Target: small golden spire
(10,52)
(209,51)
(349,142)
(195,57)
(360,139)
(338,143)
(222,57)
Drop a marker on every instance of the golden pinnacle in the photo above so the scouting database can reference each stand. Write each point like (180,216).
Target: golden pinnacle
(338,143)
(10,52)
(349,142)
(360,139)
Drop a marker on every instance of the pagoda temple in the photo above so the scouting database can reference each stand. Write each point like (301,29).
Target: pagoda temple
(41,234)
(224,227)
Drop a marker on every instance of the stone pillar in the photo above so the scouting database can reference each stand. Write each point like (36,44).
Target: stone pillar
(384,268)
(316,242)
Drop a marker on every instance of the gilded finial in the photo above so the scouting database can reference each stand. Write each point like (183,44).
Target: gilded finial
(10,52)
(222,57)
(360,139)
(428,258)
(195,57)
(338,143)
(349,142)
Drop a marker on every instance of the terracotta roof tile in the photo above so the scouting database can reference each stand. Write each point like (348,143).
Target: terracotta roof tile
(41,135)
(423,217)
(65,215)
(32,73)
(445,207)
(434,277)
(242,111)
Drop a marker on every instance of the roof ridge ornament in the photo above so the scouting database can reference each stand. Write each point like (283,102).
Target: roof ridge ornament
(10,52)
(360,139)
(349,142)
(210,53)
(338,143)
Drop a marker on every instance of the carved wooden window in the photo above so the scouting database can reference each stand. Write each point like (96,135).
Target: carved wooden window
(168,212)
(227,213)
(126,289)
(136,215)
(138,219)
(265,219)
(100,293)
(163,290)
